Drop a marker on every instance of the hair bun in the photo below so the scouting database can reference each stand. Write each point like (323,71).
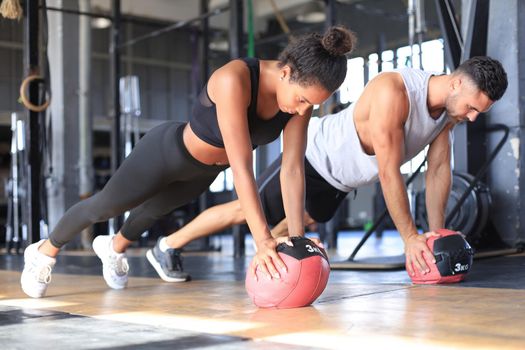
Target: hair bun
(338,41)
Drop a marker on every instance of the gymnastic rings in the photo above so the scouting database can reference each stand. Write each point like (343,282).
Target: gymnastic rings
(25,99)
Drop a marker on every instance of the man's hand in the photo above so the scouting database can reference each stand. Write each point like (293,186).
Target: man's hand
(415,248)
(267,259)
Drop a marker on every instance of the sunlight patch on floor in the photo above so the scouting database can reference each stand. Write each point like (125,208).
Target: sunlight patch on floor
(190,323)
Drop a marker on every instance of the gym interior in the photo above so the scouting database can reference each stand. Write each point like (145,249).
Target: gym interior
(82,81)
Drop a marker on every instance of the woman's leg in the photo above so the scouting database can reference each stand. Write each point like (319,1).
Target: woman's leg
(167,262)
(142,174)
(170,198)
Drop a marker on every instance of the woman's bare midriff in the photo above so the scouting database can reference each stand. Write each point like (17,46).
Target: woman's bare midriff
(203,151)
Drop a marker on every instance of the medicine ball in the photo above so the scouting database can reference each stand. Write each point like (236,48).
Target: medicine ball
(306,277)
(453,255)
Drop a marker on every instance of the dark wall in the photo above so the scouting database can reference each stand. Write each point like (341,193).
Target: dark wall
(11,62)
(163,64)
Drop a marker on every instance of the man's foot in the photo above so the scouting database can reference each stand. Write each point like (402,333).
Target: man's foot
(37,271)
(168,263)
(114,265)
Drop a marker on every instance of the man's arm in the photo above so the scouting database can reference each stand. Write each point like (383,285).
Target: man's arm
(438,179)
(386,120)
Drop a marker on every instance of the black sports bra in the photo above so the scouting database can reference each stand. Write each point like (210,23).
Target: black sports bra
(204,123)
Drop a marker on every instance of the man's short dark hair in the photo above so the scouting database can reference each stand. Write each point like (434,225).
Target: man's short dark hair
(488,75)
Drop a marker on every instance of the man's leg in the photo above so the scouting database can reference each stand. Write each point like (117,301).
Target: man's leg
(214,219)
(281,229)
(220,217)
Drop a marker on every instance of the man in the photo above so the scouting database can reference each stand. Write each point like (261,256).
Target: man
(398,114)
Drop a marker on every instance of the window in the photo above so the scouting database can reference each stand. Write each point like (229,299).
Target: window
(354,82)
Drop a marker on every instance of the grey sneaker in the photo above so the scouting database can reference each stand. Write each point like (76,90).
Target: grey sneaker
(167,264)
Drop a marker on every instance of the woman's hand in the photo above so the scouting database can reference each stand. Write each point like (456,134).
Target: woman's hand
(267,260)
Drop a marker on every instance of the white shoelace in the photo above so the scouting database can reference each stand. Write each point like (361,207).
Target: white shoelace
(119,264)
(42,273)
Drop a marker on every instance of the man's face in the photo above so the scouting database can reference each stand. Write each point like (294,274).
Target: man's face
(465,101)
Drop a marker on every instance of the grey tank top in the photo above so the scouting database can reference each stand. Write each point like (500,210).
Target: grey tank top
(334,149)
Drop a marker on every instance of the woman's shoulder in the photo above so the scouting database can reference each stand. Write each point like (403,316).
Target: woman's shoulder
(233,77)
(233,71)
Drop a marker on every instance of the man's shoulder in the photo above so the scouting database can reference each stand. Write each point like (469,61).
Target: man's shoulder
(389,84)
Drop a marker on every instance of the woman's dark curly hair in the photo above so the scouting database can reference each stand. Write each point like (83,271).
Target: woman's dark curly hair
(319,59)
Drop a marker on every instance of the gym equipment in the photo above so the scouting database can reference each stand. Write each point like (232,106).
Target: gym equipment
(16,188)
(472,215)
(305,280)
(130,110)
(453,255)
(26,100)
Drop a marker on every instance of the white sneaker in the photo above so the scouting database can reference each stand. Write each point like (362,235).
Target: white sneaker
(37,271)
(114,265)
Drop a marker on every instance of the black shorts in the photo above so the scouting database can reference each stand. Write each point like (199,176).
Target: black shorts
(322,199)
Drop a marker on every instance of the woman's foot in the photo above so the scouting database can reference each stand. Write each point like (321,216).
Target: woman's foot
(114,265)
(37,271)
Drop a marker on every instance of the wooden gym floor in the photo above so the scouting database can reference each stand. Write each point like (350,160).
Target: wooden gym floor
(358,310)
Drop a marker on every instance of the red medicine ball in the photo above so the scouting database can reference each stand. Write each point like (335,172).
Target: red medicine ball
(306,277)
(453,255)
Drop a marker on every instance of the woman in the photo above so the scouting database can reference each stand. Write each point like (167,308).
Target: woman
(245,103)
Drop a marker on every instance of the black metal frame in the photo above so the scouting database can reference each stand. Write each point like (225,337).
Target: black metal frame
(453,41)
(175,26)
(75,12)
(32,44)
(114,54)
(475,44)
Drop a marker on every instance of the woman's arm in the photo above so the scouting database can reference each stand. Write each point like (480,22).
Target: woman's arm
(229,88)
(292,172)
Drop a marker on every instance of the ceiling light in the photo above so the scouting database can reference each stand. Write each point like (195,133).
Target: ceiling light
(100,23)
(219,45)
(312,17)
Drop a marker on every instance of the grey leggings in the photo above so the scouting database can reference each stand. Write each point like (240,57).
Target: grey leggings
(157,177)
